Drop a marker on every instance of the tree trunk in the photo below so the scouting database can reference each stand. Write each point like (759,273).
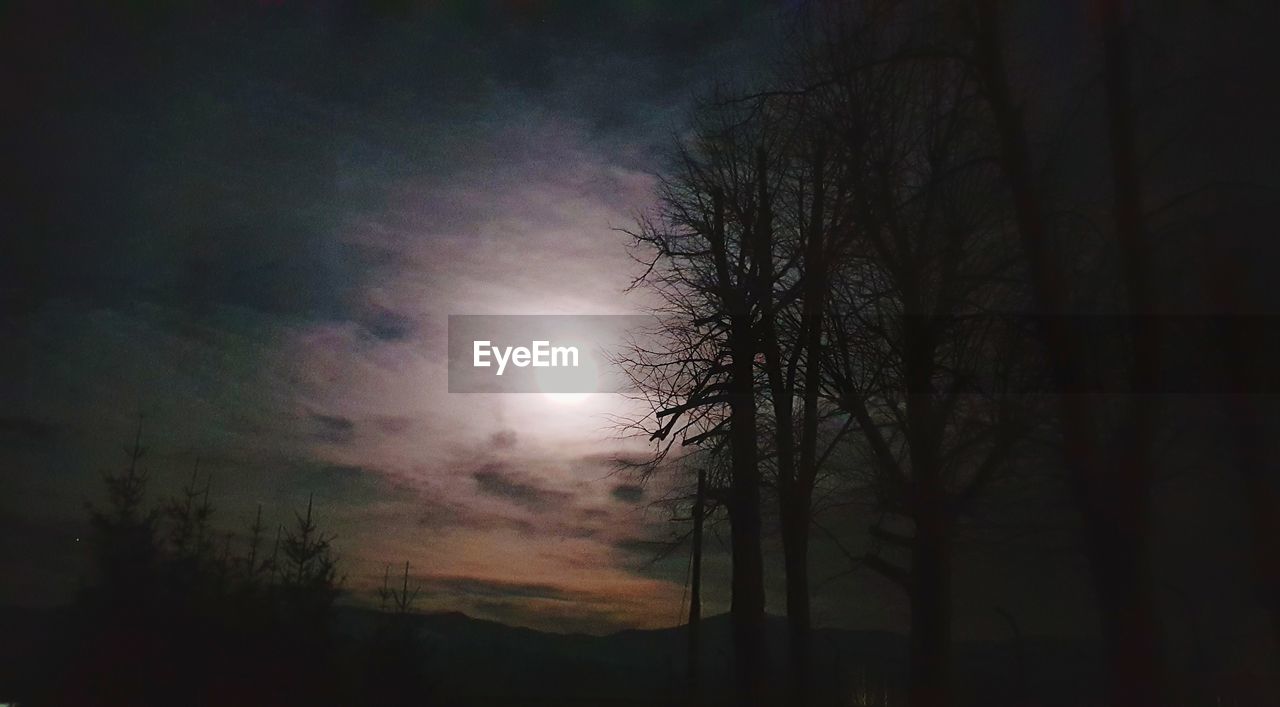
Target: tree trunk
(1120,535)
(1111,496)
(1114,520)
(796,532)
(795,541)
(928,505)
(795,463)
(746,611)
(695,587)
(747,608)
(930,611)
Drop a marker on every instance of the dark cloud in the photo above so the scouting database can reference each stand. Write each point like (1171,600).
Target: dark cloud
(496,480)
(220,160)
(628,493)
(333,428)
(344,483)
(645,547)
(481,587)
(386,325)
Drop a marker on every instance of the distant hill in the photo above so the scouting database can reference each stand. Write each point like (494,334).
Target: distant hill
(468,661)
(475,661)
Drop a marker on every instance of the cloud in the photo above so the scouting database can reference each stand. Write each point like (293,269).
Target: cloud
(393,424)
(495,479)
(498,588)
(449,516)
(641,546)
(344,483)
(385,325)
(288,231)
(334,428)
(504,439)
(628,493)
(543,605)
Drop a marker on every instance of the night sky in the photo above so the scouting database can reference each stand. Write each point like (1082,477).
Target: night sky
(249,225)
(246,227)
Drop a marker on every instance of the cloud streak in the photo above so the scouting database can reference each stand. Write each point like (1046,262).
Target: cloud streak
(497,480)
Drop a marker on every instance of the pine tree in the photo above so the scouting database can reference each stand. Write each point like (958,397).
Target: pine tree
(125,535)
(309,575)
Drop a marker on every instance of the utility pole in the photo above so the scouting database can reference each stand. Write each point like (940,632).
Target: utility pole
(695,582)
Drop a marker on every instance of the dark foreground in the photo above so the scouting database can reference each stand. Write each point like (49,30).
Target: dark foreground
(370,658)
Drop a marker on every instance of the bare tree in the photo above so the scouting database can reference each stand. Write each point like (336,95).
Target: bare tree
(920,355)
(699,372)
(793,248)
(1110,468)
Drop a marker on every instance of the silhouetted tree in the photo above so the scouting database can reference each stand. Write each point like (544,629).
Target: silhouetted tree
(904,259)
(187,622)
(396,660)
(255,566)
(309,572)
(120,633)
(1110,468)
(125,535)
(701,376)
(792,248)
(189,556)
